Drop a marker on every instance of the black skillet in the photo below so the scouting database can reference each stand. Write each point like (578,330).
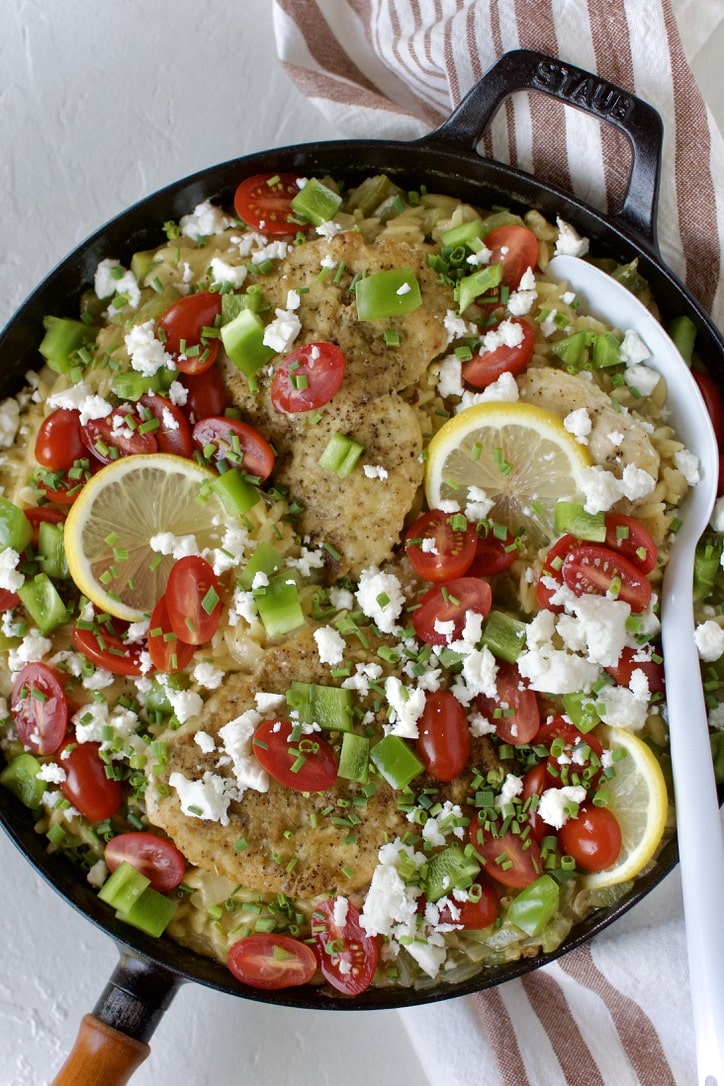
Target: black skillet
(113,1040)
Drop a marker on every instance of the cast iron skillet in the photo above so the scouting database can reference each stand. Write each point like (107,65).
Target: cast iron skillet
(112,1041)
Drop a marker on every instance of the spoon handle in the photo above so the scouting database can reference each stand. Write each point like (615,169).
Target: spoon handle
(699,831)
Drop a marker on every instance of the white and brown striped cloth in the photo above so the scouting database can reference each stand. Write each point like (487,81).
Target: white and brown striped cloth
(617,1011)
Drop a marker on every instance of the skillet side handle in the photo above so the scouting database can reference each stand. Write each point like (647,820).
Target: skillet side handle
(112,1042)
(525,69)
(101,1054)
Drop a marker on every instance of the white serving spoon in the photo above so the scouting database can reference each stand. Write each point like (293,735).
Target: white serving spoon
(699,831)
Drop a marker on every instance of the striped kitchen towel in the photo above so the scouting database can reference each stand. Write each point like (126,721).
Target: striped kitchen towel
(396,68)
(615,1012)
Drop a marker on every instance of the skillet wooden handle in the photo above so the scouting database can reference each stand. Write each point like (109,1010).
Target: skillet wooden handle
(101,1056)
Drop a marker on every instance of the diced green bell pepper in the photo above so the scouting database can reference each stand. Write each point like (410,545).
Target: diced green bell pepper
(535,905)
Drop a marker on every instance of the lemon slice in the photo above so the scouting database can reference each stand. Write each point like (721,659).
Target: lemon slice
(109,529)
(640,802)
(521,456)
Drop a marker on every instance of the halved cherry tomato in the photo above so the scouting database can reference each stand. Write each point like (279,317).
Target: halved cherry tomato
(308,378)
(652,668)
(263,202)
(551,570)
(629,537)
(166,651)
(509,859)
(436,550)
(516,248)
(535,781)
(104,646)
(155,857)
(306,765)
(181,330)
(235,442)
(193,600)
(117,434)
(347,955)
(474,915)
(62,489)
(514,710)
(39,708)
(714,402)
(86,785)
(487,366)
(174,433)
(207,394)
(443,740)
(592,838)
(595,569)
(8,599)
(449,603)
(494,552)
(272,961)
(59,443)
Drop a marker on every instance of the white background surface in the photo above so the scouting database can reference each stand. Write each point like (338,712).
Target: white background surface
(101,103)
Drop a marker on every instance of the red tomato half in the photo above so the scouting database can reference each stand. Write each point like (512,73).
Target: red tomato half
(551,570)
(193,600)
(264,201)
(627,663)
(714,402)
(59,442)
(155,857)
(166,651)
(487,366)
(235,442)
(117,435)
(592,838)
(8,599)
(509,859)
(449,603)
(596,570)
(174,433)
(474,915)
(272,961)
(443,742)
(494,553)
(535,782)
(627,536)
(308,378)
(39,708)
(181,329)
(514,711)
(346,954)
(104,647)
(207,394)
(437,551)
(307,765)
(86,785)
(516,248)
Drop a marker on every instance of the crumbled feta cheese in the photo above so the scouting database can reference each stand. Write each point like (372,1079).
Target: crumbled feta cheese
(207,799)
(554,804)
(375,471)
(179,546)
(642,379)
(578,423)
(330,645)
(204,221)
(450,377)
(390,907)
(11,579)
(80,398)
(688,465)
(280,333)
(111,278)
(237,738)
(621,707)
(507,334)
(307,561)
(205,742)
(51,773)
(208,676)
(31,650)
(633,350)
(380,597)
(221,272)
(709,639)
(602,489)
(521,301)
(146,351)
(364,674)
(569,242)
(594,626)
(512,786)
(549,669)
(405,708)
(717,517)
(456,327)
(9,422)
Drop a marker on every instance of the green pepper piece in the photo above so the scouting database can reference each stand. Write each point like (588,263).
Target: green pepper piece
(278,605)
(535,905)
(265,559)
(707,563)
(504,635)
(451,869)
(354,757)
(150,912)
(21,778)
(717,753)
(316,203)
(62,340)
(683,333)
(464,234)
(606,350)
(472,286)
(41,600)
(123,888)
(328,706)
(570,350)
(391,293)
(396,761)
(51,550)
(243,340)
(572,518)
(581,710)
(237,494)
(15,530)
